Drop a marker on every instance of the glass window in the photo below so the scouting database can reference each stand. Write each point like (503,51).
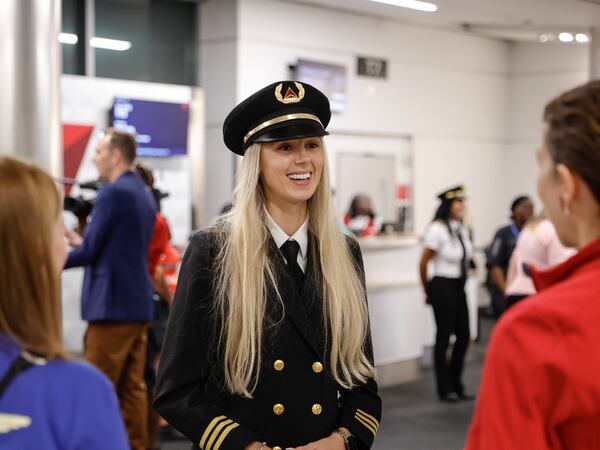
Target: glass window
(73,20)
(162,35)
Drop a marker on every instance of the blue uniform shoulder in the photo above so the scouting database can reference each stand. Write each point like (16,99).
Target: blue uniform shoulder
(78,374)
(504,233)
(107,190)
(125,191)
(80,395)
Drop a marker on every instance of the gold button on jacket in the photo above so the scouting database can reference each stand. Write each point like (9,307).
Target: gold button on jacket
(317,409)
(278,409)
(276,448)
(317,367)
(279,365)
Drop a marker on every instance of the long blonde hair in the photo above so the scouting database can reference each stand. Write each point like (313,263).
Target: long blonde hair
(29,283)
(245,274)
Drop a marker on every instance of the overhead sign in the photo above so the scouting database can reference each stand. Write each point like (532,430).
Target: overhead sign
(372,67)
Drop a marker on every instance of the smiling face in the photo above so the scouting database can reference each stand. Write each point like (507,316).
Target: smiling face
(291,170)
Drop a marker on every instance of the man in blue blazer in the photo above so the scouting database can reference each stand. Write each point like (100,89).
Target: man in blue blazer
(117,290)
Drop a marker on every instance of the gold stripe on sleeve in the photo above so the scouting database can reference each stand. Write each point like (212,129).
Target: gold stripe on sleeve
(370,422)
(208,430)
(226,431)
(368,416)
(366,424)
(215,433)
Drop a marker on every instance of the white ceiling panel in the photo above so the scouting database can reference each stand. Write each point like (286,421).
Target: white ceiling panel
(505,19)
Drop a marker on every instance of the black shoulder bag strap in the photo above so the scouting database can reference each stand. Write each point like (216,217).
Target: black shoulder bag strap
(23,362)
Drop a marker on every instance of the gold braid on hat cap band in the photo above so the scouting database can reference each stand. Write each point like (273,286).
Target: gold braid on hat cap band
(455,194)
(280,119)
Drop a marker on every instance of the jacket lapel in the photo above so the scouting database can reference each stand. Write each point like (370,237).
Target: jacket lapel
(296,307)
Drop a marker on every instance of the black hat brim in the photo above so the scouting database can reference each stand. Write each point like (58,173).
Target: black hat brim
(302,128)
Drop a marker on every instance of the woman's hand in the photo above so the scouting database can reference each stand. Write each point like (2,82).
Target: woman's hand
(73,239)
(256,445)
(427,255)
(333,442)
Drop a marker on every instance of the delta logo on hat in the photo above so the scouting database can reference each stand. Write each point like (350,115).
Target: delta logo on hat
(290,95)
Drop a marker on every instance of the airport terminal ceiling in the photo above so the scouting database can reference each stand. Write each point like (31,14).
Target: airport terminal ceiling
(513,20)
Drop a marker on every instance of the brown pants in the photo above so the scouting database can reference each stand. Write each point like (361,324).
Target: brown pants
(119,350)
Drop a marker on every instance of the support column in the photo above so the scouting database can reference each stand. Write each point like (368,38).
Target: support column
(218,78)
(595,53)
(30,67)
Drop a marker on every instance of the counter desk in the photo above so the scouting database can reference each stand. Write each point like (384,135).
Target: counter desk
(402,324)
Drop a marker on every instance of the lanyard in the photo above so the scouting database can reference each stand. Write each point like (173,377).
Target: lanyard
(515,230)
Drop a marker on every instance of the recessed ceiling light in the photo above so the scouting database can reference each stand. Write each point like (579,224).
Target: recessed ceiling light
(582,37)
(565,37)
(68,38)
(110,44)
(544,37)
(412,4)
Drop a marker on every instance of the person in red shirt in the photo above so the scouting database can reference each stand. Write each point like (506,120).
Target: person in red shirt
(161,236)
(541,381)
(159,245)
(360,218)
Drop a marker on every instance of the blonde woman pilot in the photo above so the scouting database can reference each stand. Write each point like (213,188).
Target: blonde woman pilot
(268,343)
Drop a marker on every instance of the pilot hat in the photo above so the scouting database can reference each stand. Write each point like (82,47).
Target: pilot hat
(455,193)
(281,111)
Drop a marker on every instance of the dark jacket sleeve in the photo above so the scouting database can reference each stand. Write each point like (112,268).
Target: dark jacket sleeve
(185,364)
(360,408)
(104,213)
(498,254)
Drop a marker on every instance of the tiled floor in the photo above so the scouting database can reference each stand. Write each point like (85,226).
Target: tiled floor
(413,418)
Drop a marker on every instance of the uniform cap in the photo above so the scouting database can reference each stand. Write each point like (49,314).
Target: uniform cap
(455,193)
(283,110)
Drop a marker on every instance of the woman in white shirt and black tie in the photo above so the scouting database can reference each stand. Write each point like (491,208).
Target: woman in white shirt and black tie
(448,244)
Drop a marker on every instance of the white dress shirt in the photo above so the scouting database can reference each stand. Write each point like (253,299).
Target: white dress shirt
(448,251)
(300,236)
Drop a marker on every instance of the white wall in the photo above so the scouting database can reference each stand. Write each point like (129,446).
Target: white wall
(446,90)
(471,106)
(537,73)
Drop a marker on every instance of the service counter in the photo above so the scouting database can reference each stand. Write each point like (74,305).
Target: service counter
(402,325)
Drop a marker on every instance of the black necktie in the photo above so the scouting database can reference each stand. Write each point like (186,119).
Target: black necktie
(290,252)
(464,262)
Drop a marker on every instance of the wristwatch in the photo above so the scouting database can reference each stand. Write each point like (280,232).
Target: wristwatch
(349,439)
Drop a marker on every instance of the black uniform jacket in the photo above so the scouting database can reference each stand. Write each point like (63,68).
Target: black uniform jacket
(502,247)
(296,400)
